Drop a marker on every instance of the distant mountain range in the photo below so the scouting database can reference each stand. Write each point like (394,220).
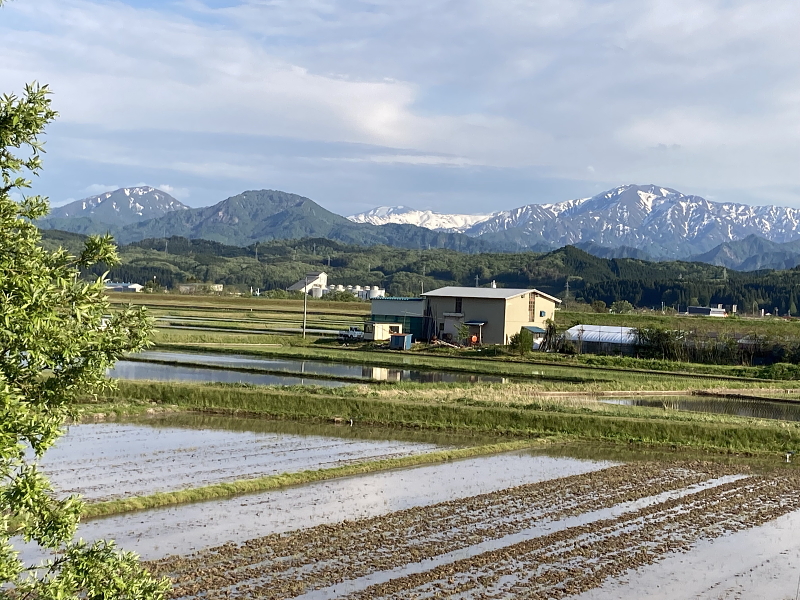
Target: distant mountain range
(662,222)
(633,221)
(241,220)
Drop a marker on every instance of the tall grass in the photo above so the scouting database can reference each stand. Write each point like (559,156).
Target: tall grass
(648,426)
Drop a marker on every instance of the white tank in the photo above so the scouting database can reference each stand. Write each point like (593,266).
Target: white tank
(375,293)
(316,292)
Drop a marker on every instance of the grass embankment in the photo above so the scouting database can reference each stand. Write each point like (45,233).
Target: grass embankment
(271,482)
(475,409)
(197,340)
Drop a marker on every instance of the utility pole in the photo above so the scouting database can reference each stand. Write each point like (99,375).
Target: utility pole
(305,307)
(476,281)
(256,251)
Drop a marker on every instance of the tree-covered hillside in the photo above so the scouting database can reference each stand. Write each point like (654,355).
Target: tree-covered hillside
(279,263)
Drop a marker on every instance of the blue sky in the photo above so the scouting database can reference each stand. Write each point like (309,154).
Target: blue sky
(455,106)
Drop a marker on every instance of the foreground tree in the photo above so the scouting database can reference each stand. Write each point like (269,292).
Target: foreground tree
(55,345)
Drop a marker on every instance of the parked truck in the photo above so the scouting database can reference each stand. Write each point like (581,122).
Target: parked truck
(354,334)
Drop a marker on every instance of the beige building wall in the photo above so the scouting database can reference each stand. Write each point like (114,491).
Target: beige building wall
(490,310)
(503,317)
(546,306)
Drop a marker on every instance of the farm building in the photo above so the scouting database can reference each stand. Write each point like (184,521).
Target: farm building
(707,311)
(200,288)
(602,339)
(380,332)
(317,279)
(492,315)
(112,286)
(409,313)
(316,284)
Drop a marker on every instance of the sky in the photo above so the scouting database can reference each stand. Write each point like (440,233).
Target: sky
(452,105)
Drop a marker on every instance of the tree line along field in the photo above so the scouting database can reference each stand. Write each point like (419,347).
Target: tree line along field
(276,264)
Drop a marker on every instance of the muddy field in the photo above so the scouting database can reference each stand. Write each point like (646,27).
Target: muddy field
(578,534)
(102,461)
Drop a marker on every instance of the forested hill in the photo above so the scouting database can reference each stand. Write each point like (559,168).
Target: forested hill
(406,272)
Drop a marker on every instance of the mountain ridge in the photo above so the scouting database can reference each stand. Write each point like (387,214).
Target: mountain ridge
(120,207)
(661,221)
(632,220)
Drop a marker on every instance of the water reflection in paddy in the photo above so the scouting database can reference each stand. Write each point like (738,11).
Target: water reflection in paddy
(759,409)
(311,367)
(139,370)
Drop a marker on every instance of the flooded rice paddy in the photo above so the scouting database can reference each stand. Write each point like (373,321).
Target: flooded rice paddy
(125,369)
(759,409)
(313,368)
(551,523)
(552,538)
(112,460)
(182,529)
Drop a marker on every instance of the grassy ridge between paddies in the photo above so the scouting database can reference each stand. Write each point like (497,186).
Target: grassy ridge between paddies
(579,422)
(272,482)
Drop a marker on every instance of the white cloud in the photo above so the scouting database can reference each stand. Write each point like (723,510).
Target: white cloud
(96,189)
(685,94)
(181,193)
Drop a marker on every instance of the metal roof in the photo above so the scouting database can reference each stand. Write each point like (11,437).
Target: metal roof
(606,334)
(396,298)
(490,293)
(534,329)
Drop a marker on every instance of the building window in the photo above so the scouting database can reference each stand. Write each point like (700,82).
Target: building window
(542,313)
(441,326)
(459,305)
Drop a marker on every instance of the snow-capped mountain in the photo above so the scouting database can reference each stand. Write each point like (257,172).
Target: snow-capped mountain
(421,218)
(661,221)
(121,207)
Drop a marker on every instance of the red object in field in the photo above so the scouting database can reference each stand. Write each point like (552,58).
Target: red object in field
(474,339)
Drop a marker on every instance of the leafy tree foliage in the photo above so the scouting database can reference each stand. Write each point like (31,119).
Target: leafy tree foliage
(56,344)
(521,342)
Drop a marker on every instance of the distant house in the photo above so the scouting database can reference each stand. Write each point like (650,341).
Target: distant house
(707,311)
(317,279)
(200,288)
(492,315)
(112,286)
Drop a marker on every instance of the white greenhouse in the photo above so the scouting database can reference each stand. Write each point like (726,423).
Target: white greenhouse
(602,339)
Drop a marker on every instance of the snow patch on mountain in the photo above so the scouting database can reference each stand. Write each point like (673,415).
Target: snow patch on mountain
(661,221)
(422,218)
(122,206)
